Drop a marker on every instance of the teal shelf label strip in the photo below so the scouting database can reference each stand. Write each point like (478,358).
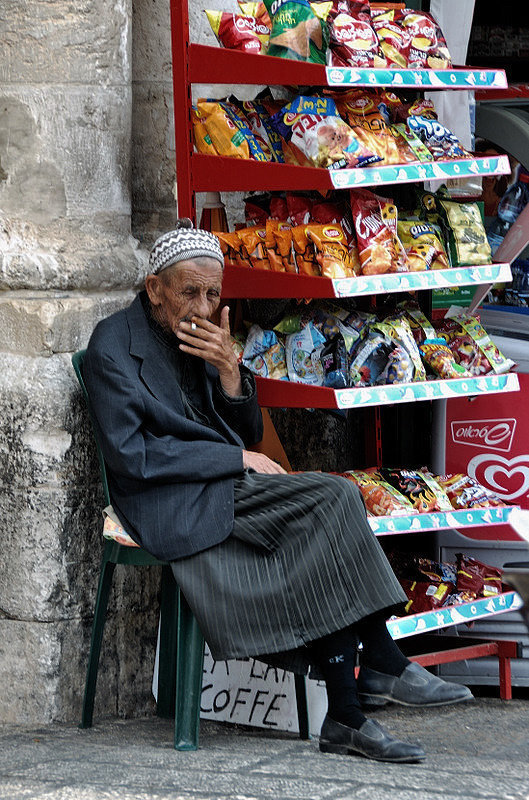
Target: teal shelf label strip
(423,78)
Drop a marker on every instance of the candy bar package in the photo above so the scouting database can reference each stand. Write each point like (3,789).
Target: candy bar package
(476,578)
(301,367)
(380,498)
(314,126)
(238,32)
(299,30)
(353,41)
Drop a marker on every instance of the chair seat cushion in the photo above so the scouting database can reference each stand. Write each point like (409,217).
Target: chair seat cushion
(113,530)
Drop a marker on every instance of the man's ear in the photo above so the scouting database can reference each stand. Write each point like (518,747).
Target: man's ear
(152,287)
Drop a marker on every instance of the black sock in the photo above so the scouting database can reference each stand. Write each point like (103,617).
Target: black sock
(335,657)
(379,651)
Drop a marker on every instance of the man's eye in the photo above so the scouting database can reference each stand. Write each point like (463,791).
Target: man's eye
(213,293)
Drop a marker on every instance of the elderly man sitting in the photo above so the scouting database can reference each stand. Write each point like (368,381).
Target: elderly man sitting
(283,567)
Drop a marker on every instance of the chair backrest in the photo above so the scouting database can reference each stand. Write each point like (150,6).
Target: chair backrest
(77,362)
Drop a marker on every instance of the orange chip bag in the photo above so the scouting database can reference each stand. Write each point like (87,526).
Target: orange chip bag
(361,110)
(231,247)
(278,242)
(237,32)
(380,498)
(331,250)
(253,242)
(201,137)
(304,251)
(226,138)
(353,42)
(375,220)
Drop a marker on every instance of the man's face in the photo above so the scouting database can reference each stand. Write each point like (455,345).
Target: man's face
(189,289)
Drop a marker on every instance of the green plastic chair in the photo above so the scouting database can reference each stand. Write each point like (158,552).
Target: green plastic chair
(181,657)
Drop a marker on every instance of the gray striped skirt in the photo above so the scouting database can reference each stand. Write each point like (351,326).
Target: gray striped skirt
(301,562)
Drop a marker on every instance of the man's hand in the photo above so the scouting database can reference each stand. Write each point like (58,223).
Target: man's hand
(202,338)
(261,463)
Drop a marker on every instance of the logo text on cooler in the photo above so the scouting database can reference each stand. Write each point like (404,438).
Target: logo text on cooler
(494,434)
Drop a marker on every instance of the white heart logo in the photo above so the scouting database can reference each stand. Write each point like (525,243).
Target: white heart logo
(493,467)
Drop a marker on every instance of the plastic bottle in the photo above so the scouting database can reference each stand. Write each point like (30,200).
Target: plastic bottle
(510,206)
(213,216)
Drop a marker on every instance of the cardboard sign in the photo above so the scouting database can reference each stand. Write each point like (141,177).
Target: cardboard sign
(249,692)
(488,438)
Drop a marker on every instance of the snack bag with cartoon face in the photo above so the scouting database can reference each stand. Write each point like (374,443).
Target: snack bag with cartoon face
(313,125)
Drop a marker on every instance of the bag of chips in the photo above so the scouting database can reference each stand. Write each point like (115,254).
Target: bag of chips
(301,367)
(333,359)
(380,498)
(264,354)
(420,325)
(237,32)
(360,109)
(261,127)
(423,245)
(409,145)
(228,131)
(438,356)
(473,327)
(397,329)
(428,48)
(476,578)
(375,220)
(331,250)
(201,137)
(369,359)
(304,251)
(254,247)
(465,492)
(465,231)
(256,9)
(299,29)
(353,41)
(313,125)
(231,247)
(278,242)
(424,493)
(394,39)
(440,141)
(424,595)
(256,209)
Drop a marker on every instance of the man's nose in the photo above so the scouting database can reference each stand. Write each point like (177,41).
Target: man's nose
(202,308)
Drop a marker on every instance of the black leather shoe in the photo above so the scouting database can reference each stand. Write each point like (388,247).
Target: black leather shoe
(371,741)
(414,687)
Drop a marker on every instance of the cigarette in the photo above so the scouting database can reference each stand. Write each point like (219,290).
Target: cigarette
(193,326)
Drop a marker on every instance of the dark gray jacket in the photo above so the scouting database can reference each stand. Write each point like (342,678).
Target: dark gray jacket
(170,478)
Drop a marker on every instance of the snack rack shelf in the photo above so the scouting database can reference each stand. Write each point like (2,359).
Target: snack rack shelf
(247,282)
(195,63)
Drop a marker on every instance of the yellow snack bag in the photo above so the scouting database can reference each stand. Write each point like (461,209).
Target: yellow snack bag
(422,244)
(201,136)
(226,138)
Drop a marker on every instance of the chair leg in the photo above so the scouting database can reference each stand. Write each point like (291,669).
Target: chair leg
(303,709)
(98,625)
(189,672)
(165,706)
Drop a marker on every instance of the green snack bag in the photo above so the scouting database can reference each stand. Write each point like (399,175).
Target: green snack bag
(467,240)
(299,30)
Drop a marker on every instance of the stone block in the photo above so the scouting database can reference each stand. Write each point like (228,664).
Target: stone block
(48,323)
(90,41)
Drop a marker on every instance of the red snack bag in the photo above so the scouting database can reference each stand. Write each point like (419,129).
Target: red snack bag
(477,578)
(256,209)
(393,37)
(424,596)
(326,212)
(279,208)
(427,48)
(237,32)
(299,208)
(353,42)
(465,492)
(375,220)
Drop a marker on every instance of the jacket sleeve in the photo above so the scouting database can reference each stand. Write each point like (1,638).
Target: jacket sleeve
(135,450)
(242,413)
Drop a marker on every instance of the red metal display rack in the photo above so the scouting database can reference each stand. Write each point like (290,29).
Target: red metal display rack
(194,63)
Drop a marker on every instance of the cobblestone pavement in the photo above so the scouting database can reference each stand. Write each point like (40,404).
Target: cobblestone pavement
(476,751)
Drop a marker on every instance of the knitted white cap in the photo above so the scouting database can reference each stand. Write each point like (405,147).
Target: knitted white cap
(182,244)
